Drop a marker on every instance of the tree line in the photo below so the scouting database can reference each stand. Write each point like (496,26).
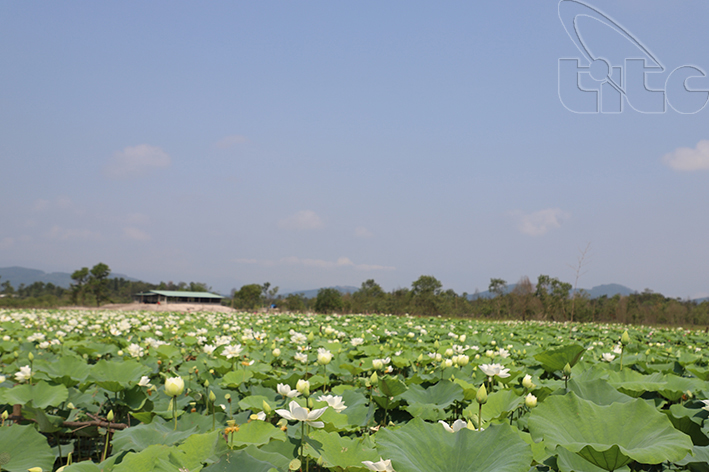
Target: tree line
(89,287)
(548,299)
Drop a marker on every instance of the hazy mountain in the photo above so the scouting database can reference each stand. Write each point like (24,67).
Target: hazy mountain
(23,275)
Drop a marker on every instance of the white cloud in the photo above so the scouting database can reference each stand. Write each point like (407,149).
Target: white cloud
(303,220)
(362,232)
(317,263)
(689,159)
(61,203)
(135,234)
(229,141)
(540,222)
(65,234)
(136,161)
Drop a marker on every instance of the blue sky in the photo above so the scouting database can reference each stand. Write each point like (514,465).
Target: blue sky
(322,143)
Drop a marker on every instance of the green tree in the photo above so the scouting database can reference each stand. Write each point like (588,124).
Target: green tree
(497,287)
(248,297)
(295,302)
(78,288)
(98,282)
(554,296)
(328,300)
(425,292)
(370,298)
(7,288)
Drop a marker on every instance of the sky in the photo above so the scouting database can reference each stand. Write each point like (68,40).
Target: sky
(313,144)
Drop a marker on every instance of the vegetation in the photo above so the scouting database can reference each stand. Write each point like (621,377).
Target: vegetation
(90,391)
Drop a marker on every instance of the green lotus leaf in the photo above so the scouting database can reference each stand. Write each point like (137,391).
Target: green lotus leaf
(608,436)
(699,455)
(598,391)
(22,447)
(40,394)
(117,376)
(498,405)
(205,448)
(68,369)
(168,351)
(342,452)
(555,359)
(138,438)
(689,421)
(425,447)
(235,378)
(442,394)
(257,433)
(391,386)
(158,458)
(238,461)
(567,461)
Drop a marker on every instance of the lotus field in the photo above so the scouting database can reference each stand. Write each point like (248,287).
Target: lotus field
(142,391)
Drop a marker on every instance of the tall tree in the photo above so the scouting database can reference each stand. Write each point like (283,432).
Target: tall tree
(497,287)
(328,300)
(98,282)
(425,291)
(78,288)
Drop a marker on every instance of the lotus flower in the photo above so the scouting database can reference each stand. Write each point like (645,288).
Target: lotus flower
(495,369)
(335,401)
(455,427)
(286,391)
(379,466)
(296,412)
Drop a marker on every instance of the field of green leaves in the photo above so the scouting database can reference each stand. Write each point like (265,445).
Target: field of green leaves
(143,391)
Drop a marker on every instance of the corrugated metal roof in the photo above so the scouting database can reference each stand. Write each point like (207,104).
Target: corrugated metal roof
(177,293)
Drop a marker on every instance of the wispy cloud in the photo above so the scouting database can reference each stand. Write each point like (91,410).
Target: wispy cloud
(7,242)
(687,159)
(136,161)
(316,263)
(303,220)
(67,234)
(540,222)
(60,203)
(135,234)
(362,232)
(230,141)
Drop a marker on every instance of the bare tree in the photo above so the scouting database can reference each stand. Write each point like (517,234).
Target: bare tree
(578,269)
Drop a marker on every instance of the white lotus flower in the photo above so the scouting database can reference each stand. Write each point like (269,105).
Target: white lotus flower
(24,374)
(356,341)
(455,427)
(495,369)
(706,405)
(208,348)
(144,381)
(232,351)
(324,356)
(134,350)
(296,412)
(301,357)
(379,466)
(607,357)
(335,401)
(285,391)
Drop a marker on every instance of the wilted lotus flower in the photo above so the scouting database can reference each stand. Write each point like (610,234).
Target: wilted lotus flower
(335,401)
(298,413)
(285,391)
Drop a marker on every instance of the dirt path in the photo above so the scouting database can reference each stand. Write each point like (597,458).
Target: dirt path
(135,306)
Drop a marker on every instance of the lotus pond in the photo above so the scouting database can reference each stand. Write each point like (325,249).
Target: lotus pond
(143,391)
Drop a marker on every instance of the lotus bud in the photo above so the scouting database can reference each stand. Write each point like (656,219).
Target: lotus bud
(449,352)
(70,406)
(276,352)
(266,407)
(311,403)
(311,337)
(377,364)
(303,386)
(530,401)
(527,381)
(212,397)
(463,360)
(374,378)
(119,353)
(625,338)
(174,386)
(436,344)
(462,338)
(419,358)
(567,370)
(5,415)
(447,363)
(481,396)
(294,464)
(206,383)
(109,416)
(30,356)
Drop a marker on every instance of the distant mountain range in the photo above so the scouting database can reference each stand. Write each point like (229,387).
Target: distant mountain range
(22,275)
